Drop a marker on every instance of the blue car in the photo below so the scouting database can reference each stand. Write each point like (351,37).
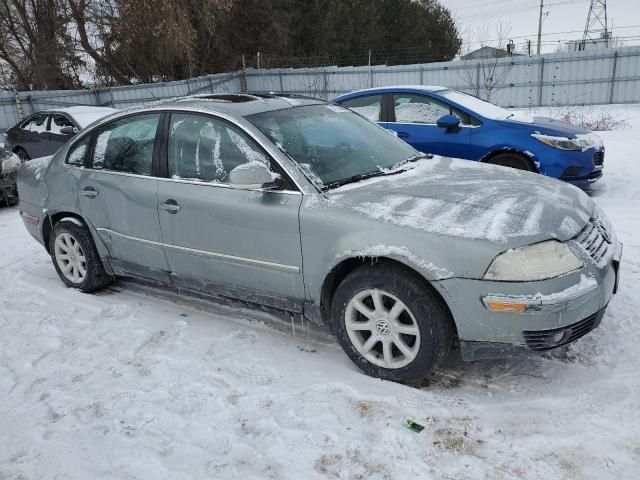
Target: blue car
(447,122)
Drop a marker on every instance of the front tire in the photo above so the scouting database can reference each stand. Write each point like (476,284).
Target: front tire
(391,324)
(512,160)
(22,154)
(76,259)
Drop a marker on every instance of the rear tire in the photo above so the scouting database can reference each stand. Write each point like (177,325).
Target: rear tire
(22,154)
(512,160)
(76,259)
(391,324)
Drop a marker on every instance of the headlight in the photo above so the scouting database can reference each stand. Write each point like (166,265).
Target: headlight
(561,143)
(533,262)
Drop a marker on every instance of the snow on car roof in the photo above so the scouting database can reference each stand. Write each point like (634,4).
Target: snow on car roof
(85,115)
(427,88)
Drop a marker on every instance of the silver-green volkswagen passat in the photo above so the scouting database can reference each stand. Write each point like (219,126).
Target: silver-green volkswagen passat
(307,207)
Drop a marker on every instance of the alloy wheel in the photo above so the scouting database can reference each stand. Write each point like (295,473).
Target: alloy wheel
(382,328)
(70,258)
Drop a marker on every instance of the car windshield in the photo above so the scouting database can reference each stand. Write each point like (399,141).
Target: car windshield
(477,105)
(333,145)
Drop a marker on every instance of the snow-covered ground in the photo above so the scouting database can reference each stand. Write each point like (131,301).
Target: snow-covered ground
(136,382)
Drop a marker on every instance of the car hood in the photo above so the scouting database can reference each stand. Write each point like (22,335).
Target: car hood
(546,125)
(461,198)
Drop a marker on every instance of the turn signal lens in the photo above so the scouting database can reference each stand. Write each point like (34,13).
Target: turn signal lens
(505,306)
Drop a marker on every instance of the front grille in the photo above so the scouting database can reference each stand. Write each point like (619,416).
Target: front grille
(546,339)
(598,158)
(595,239)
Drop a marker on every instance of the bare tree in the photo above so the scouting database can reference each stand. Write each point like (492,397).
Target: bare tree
(488,73)
(36,48)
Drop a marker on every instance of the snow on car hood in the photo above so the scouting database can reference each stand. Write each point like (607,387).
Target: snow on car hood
(546,125)
(467,199)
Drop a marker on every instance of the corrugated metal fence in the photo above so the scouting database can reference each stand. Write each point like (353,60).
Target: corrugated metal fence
(15,106)
(597,76)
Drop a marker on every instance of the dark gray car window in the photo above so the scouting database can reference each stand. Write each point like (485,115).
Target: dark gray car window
(36,124)
(206,149)
(126,145)
(58,121)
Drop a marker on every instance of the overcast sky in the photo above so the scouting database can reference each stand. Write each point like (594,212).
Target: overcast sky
(563,16)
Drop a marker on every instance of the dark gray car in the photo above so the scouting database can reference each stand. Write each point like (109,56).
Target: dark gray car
(43,133)
(307,207)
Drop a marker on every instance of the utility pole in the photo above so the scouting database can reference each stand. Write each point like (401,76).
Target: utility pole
(540,27)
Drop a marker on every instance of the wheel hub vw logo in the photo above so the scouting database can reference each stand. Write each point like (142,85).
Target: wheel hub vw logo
(383,327)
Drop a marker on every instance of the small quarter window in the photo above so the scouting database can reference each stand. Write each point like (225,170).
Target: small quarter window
(126,145)
(78,152)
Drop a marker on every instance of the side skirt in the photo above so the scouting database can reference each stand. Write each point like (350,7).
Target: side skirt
(210,289)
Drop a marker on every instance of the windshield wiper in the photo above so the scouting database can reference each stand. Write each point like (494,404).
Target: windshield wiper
(361,176)
(411,159)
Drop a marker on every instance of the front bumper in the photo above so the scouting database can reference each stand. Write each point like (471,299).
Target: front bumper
(566,305)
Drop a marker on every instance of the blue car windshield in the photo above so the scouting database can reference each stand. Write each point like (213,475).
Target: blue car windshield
(475,104)
(333,145)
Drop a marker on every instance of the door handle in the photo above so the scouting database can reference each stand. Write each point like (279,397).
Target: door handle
(170,206)
(89,192)
(403,135)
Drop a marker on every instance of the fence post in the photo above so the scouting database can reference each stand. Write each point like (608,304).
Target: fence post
(421,75)
(326,85)
(243,81)
(613,75)
(96,91)
(280,77)
(541,81)
(478,79)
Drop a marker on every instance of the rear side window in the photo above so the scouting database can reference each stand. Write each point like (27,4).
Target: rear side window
(78,152)
(409,108)
(126,145)
(370,107)
(207,149)
(37,123)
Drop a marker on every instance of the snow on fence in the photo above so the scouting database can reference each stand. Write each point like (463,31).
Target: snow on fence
(590,77)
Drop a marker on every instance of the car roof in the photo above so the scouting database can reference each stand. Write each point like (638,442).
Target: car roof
(80,110)
(234,104)
(393,88)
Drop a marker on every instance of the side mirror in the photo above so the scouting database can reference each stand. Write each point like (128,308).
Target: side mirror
(68,130)
(449,122)
(253,175)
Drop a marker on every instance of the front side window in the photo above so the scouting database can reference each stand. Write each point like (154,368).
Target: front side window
(370,107)
(78,152)
(331,144)
(126,145)
(36,124)
(411,108)
(58,121)
(203,148)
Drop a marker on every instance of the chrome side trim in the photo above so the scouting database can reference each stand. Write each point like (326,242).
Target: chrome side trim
(205,253)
